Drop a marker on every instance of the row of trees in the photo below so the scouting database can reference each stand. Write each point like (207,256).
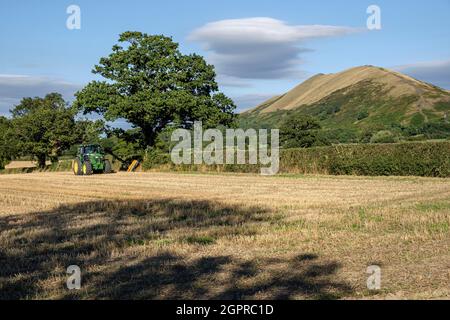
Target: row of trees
(303,131)
(147,81)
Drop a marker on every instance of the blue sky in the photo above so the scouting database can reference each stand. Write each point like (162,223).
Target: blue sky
(260,48)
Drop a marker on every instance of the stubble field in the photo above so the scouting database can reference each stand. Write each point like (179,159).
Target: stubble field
(229,236)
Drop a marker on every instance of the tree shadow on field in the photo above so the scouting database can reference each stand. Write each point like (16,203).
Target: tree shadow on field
(109,241)
(168,276)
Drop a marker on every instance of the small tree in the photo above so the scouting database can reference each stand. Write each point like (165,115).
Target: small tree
(384,136)
(362,115)
(7,145)
(43,127)
(152,84)
(299,131)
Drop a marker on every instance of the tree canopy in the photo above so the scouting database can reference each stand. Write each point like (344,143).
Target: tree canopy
(299,131)
(43,127)
(152,85)
(7,145)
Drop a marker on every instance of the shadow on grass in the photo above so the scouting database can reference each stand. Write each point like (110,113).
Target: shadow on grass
(168,276)
(128,250)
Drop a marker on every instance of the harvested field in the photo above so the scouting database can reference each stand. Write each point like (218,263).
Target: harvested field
(166,235)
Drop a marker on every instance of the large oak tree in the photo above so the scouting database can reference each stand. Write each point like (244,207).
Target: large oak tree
(152,85)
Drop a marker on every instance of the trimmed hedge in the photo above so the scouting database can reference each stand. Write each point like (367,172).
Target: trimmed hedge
(430,159)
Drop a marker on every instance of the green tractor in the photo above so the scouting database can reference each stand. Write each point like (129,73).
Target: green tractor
(91,159)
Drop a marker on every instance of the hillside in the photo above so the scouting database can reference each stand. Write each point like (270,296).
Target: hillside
(360,99)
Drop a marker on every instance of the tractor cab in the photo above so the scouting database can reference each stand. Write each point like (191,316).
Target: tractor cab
(90,149)
(91,159)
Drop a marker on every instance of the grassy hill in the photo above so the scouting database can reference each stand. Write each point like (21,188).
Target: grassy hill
(360,101)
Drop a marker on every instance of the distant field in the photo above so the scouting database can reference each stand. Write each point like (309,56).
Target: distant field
(22,164)
(228,236)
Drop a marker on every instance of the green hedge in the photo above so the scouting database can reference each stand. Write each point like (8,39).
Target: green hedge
(431,159)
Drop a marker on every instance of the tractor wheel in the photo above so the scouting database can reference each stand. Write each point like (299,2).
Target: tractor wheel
(87,168)
(77,167)
(107,168)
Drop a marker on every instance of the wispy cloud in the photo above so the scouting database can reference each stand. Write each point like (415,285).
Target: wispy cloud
(434,72)
(260,48)
(247,101)
(228,81)
(15,87)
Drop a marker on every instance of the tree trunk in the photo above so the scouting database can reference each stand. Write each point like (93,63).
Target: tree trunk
(54,159)
(149,138)
(41,161)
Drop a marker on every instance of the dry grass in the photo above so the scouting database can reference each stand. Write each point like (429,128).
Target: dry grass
(164,235)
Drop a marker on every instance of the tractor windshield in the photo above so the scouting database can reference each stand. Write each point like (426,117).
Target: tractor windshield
(92,149)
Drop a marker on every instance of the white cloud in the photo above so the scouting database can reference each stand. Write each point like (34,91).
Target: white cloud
(260,48)
(434,72)
(228,81)
(15,87)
